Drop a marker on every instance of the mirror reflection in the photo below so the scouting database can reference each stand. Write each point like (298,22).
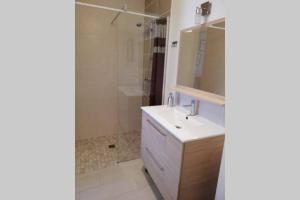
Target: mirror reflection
(201,63)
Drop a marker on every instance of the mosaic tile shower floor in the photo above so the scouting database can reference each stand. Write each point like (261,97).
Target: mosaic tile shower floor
(93,154)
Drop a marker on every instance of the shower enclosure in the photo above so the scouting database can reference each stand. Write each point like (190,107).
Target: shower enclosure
(114,74)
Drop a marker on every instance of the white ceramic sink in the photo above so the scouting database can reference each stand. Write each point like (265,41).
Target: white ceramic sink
(178,118)
(185,129)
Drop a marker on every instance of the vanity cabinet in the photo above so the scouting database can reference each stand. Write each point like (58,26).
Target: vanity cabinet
(180,170)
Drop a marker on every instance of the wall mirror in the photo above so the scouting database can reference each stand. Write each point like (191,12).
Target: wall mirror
(201,62)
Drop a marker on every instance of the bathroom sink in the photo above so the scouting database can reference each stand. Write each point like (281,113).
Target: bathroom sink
(179,118)
(175,120)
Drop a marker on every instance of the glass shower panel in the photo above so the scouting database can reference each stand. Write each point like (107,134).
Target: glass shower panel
(147,60)
(114,73)
(96,103)
(130,85)
(113,80)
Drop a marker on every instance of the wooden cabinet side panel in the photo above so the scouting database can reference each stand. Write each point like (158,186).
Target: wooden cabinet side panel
(200,168)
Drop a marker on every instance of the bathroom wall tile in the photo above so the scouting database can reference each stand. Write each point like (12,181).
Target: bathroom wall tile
(95,81)
(212,112)
(157,6)
(136,5)
(102,65)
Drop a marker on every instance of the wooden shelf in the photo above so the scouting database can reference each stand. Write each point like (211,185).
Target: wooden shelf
(200,94)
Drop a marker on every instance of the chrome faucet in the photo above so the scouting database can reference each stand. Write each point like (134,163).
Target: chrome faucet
(193,108)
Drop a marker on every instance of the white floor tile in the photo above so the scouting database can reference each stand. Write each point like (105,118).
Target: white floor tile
(108,191)
(84,182)
(143,194)
(126,181)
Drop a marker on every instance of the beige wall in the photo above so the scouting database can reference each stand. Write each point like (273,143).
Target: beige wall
(157,6)
(95,73)
(107,57)
(132,4)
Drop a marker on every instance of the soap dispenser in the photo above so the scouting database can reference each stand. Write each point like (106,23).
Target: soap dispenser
(170,100)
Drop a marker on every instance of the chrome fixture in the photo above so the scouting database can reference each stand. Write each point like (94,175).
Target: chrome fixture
(205,8)
(123,10)
(171,100)
(193,108)
(202,11)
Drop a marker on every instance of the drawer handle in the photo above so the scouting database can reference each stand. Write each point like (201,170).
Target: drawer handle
(155,161)
(155,127)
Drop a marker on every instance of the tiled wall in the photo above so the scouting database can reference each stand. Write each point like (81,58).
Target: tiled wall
(131,4)
(109,60)
(157,6)
(96,103)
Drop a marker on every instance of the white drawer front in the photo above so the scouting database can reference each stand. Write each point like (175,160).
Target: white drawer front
(165,147)
(161,153)
(155,170)
(155,137)
(156,146)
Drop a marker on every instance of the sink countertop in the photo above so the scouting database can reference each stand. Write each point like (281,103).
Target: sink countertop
(195,128)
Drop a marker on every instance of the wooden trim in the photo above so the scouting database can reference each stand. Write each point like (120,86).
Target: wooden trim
(181,167)
(200,94)
(205,23)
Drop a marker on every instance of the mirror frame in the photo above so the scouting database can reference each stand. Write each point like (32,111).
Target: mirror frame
(199,94)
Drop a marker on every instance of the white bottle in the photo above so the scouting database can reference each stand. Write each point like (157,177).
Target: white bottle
(170,100)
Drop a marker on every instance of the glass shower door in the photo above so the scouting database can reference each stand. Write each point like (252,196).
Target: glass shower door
(96,105)
(130,90)
(113,81)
